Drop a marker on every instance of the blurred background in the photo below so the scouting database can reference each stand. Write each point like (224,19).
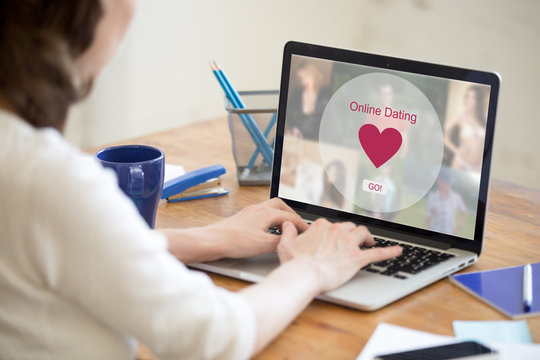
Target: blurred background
(160,78)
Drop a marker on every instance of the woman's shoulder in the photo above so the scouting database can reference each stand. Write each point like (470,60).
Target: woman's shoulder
(56,188)
(38,163)
(29,149)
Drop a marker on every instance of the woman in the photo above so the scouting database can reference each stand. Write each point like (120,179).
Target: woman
(81,274)
(334,178)
(307,103)
(466,152)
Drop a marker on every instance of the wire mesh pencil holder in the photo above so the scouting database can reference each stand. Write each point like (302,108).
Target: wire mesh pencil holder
(261,106)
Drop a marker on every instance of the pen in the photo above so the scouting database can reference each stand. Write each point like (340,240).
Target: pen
(527,287)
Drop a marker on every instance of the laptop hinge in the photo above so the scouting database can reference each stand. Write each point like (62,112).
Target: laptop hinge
(384,232)
(409,238)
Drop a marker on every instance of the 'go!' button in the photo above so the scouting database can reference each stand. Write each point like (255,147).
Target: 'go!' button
(374,187)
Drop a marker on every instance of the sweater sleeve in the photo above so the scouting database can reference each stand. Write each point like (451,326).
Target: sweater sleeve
(93,248)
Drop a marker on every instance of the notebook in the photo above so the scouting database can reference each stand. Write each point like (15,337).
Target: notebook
(401,146)
(502,289)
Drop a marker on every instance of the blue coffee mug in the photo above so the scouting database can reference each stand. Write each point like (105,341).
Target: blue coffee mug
(140,171)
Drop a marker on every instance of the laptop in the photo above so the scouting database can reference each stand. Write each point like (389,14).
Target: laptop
(400,146)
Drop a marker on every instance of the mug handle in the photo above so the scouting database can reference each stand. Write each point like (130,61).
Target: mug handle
(136,180)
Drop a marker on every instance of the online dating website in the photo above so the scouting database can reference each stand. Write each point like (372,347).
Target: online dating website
(396,146)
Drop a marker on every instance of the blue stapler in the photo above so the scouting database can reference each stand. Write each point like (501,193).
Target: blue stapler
(196,184)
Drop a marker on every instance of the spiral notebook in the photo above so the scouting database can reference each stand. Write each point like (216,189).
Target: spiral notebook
(502,289)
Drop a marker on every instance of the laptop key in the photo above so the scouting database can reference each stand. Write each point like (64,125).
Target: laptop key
(383,263)
(413,259)
(389,272)
(273,230)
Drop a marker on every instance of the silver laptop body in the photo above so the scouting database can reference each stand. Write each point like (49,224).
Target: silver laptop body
(335,158)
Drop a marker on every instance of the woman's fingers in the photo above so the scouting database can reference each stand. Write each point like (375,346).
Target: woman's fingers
(268,242)
(288,231)
(346,226)
(280,205)
(278,217)
(288,234)
(362,235)
(378,254)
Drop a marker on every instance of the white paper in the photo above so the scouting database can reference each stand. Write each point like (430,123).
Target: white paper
(173,171)
(388,339)
(391,338)
(516,351)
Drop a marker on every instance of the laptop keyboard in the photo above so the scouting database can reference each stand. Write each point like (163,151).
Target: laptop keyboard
(413,260)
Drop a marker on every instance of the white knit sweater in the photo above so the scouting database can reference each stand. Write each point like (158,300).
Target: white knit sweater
(83,277)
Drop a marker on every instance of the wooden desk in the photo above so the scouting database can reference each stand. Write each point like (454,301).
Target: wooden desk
(333,332)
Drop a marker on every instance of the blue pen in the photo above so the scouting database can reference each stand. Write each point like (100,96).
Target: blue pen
(527,287)
(247,120)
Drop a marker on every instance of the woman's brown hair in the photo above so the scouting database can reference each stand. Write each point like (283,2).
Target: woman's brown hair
(39,43)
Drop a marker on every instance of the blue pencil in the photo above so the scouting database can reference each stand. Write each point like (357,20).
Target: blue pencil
(247,120)
(237,102)
(240,105)
(247,169)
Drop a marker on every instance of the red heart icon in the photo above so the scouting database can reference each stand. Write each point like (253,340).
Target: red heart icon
(379,147)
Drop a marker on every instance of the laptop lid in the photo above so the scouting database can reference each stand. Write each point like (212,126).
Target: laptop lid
(403,147)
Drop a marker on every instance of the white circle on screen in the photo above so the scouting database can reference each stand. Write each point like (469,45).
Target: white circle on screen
(387,139)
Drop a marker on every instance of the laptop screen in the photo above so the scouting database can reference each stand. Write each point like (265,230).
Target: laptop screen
(402,147)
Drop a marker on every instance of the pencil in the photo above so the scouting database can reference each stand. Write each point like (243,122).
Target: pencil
(247,169)
(239,104)
(247,120)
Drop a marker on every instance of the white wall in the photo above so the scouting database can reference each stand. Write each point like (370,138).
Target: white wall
(160,78)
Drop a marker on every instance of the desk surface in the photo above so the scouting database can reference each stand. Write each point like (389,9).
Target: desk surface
(333,332)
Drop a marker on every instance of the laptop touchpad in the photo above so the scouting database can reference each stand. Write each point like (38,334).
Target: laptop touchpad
(260,265)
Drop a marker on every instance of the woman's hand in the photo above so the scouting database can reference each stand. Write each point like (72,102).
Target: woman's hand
(245,233)
(241,235)
(318,260)
(332,250)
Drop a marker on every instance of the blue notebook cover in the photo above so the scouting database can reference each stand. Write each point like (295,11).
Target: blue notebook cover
(502,289)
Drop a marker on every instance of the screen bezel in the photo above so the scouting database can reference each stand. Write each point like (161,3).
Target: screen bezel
(403,65)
